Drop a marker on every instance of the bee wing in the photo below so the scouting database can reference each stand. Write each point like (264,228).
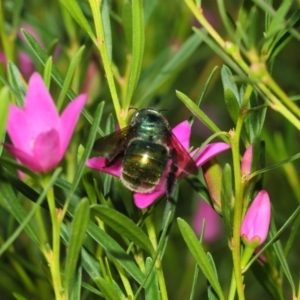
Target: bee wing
(182,159)
(112,145)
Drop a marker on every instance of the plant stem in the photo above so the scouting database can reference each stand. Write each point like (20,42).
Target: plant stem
(53,255)
(107,63)
(238,208)
(158,266)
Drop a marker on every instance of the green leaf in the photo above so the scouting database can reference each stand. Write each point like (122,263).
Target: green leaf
(210,291)
(254,122)
(203,91)
(170,68)
(113,249)
(74,63)
(107,288)
(17,83)
(88,149)
(277,22)
(90,264)
(220,52)
(19,213)
(200,256)
(127,21)
(198,113)
(47,72)
(91,289)
(4,104)
(19,297)
(75,11)
(226,198)
(151,287)
(77,234)
(106,27)
(280,254)
(123,226)
(138,42)
(76,287)
(43,57)
(231,94)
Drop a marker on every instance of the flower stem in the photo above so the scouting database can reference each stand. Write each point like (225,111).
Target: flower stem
(238,208)
(158,265)
(101,45)
(53,255)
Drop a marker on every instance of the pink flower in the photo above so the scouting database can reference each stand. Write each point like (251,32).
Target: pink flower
(213,227)
(182,131)
(255,226)
(39,135)
(246,163)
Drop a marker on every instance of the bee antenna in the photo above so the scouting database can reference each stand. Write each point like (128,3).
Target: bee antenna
(131,107)
(164,109)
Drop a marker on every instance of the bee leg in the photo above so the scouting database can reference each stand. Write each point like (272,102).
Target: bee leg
(170,183)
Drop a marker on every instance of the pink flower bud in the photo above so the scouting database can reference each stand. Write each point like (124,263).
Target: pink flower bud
(247,161)
(255,226)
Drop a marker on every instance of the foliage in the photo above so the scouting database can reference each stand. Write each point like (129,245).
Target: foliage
(231,69)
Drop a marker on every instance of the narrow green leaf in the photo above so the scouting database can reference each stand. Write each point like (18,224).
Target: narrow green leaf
(106,27)
(231,94)
(277,22)
(19,297)
(90,264)
(17,83)
(226,198)
(19,213)
(138,42)
(107,288)
(200,256)
(220,52)
(74,63)
(123,226)
(43,57)
(198,113)
(170,68)
(151,287)
(282,259)
(201,96)
(210,291)
(91,289)
(76,287)
(47,72)
(88,149)
(4,104)
(113,249)
(149,8)
(75,11)
(127,21)
(77,234)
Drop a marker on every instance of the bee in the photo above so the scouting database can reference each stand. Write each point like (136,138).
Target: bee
(151,154)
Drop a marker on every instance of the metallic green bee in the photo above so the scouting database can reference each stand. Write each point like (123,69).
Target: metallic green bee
(149,151)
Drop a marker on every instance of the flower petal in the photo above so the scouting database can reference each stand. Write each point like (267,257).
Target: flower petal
(99,164)
(19,129)
(144,200)
(46,150)
(183,132)
(69,119)
(26,159)
(213,227)
(208,152)
(39,106)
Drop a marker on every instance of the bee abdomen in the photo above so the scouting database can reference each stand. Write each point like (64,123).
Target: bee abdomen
(143,165)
